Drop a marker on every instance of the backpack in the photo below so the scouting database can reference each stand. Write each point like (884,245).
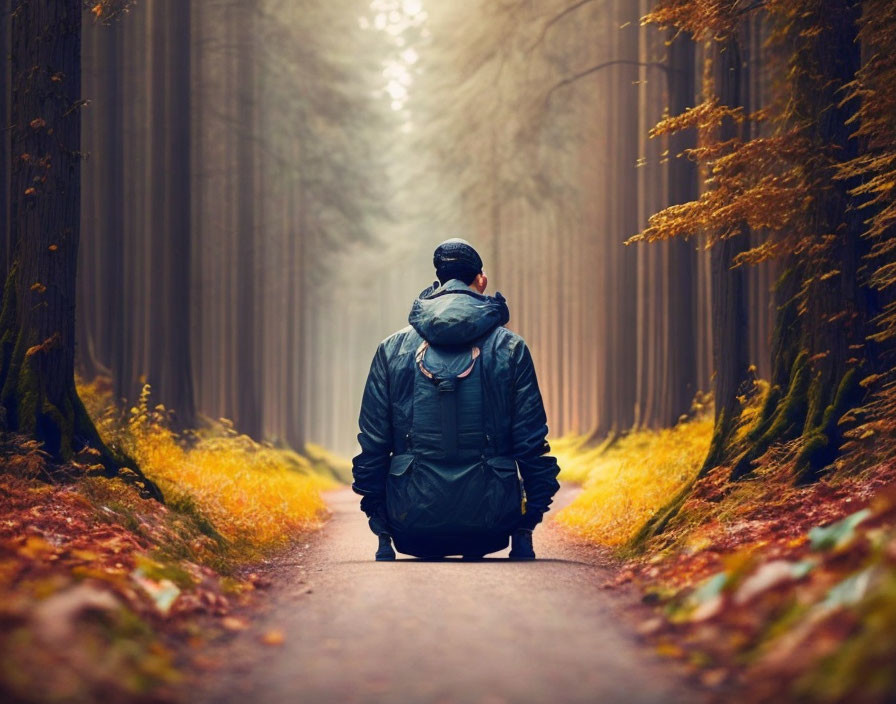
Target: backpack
(449,492)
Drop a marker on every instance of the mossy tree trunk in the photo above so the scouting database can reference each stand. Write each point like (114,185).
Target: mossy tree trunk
(37,323)
(729,313)
(819,343)
(837,306)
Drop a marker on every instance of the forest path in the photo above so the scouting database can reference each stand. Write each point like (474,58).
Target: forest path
(490,631)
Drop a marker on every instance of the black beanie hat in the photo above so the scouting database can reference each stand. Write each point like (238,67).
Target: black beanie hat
(456,259)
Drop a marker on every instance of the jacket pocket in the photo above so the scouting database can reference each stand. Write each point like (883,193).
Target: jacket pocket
(506,498)
(399,464)
(502,464)
(400,498)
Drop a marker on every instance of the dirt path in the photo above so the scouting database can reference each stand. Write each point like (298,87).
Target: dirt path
(410,631)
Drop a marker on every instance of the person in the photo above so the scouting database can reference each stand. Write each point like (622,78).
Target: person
(454,458)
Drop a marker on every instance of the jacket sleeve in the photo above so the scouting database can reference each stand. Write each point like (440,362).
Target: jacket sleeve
(529,433)
(370,466)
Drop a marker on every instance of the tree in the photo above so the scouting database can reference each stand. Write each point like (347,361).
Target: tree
(170,363)
(729,313)
(798,188)
(5,244)
(37,349)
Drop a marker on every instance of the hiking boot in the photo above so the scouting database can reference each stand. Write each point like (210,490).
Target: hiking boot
(521,545)
(385,551)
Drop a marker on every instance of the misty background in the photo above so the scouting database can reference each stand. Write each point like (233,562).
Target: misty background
(266,182)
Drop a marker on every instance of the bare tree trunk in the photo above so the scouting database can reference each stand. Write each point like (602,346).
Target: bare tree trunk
(683,334)
(729,314)
(169,363)
(248,406)
(6,249)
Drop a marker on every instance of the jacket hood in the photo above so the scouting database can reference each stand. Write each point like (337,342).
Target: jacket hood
(455,314)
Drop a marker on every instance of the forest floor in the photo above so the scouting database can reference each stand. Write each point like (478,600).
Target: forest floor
(247,582)
(114,593)
(764,590)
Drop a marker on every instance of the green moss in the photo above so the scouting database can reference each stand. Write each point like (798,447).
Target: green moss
(120,514)
(792,408)
(786,336)
(817,452)
(11,395)
(815,404)
(772,399)
(658,522)
(186,505)
(159,569)
(720,434)
(7,325)
(848,395)
(821,441)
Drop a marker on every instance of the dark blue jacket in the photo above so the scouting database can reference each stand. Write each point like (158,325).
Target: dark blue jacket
(514,413)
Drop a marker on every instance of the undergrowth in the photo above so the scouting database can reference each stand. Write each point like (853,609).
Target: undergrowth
(766,590)
(626,482)
(254,496)
(104,587)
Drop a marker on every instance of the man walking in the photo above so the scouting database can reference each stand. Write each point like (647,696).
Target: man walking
(454,457)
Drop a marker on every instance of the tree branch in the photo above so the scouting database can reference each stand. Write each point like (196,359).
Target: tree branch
(556,18)
(598,67)
(749,8)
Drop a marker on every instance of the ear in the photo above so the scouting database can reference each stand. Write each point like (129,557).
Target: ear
(480,282)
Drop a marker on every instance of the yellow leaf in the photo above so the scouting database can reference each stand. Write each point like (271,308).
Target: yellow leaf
(232,623)
(273,637)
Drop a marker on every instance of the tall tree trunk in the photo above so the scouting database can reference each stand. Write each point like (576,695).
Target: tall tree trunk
(682,175)
(170,360)
(5,161)
(248,405)
(837,311)
(815,353)
(37,350)
(112,185)
(729,313)
(39,301)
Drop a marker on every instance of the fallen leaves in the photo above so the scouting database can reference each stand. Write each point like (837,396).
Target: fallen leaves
(87,568)
(756,584)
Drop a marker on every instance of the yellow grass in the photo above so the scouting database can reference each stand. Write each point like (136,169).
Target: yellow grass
(625,483)
(256,496)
